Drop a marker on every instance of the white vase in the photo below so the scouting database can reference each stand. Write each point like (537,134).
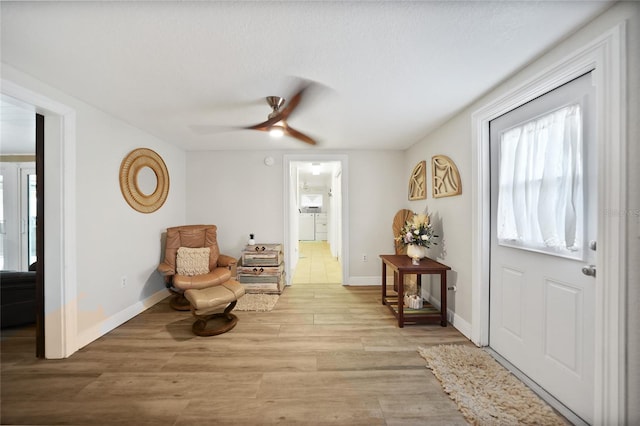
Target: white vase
(416,252)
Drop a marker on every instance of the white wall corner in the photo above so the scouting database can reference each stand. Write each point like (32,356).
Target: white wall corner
(459,324)
(456,321)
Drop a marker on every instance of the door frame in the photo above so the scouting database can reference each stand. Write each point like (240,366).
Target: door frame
(60,287)
(40,234)
(288,208)
(606,55)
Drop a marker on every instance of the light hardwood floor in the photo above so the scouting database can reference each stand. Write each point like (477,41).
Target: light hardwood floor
(327,354)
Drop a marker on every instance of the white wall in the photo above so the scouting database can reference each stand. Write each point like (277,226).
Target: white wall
(111,239)
(238,192)
(110,232)
(450,216)
(377,190)
(454,138)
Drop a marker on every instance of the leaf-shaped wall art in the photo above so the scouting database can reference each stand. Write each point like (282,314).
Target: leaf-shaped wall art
(446,179)
(418,182)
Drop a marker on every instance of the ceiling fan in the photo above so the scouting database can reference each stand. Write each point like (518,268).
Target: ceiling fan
(276,123)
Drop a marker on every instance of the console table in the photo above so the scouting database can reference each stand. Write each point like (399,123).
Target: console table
(401,266)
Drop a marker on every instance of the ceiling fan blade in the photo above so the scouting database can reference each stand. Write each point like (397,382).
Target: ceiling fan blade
(265,126)
(278,117)
(290,131)
(294,102)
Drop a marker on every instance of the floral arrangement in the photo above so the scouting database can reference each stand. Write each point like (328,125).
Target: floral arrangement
(417,231)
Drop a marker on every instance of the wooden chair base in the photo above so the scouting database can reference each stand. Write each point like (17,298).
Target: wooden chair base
(214,324)
(178,302)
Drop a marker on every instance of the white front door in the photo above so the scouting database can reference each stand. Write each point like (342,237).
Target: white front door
(543,228)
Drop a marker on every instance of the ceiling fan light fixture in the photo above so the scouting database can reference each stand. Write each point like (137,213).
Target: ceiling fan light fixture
(276,131)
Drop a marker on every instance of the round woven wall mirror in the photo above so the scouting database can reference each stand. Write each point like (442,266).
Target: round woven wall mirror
(147,180)
(144,180)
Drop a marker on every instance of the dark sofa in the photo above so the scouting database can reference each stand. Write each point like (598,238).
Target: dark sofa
(17,298)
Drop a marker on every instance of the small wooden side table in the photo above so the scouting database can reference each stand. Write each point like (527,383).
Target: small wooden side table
(401,266)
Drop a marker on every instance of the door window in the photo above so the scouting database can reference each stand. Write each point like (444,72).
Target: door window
(540,193)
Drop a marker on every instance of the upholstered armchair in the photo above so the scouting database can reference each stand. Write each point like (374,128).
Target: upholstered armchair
(200,278)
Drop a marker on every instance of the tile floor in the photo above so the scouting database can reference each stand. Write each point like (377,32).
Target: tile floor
(316,265)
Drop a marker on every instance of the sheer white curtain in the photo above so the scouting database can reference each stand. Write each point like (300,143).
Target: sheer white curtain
(540,199)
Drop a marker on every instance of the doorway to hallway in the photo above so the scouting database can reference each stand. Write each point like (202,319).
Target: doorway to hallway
(316,265)
(321,194)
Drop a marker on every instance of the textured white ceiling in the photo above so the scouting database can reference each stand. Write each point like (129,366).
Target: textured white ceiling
(389,72)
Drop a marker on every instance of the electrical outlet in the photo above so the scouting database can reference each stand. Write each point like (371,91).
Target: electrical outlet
(123,281)
(364,257)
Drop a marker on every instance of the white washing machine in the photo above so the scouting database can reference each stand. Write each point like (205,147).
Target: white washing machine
(306,227)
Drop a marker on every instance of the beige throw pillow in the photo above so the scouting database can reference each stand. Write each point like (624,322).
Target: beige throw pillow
(192,261)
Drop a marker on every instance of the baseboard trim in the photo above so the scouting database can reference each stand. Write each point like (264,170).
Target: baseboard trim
(119,318)
(454,319)
(364,280)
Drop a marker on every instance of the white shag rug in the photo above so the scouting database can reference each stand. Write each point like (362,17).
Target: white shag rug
(486,392)
(259,302)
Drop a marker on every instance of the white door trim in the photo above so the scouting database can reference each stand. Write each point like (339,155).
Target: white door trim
(60,216)
(607,55)
(344,160)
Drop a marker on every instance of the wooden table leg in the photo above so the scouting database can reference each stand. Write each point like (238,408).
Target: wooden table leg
(443,298)
(384,282)
(400,299)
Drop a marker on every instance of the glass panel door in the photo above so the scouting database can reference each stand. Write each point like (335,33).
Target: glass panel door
(27,215)
(31,217)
